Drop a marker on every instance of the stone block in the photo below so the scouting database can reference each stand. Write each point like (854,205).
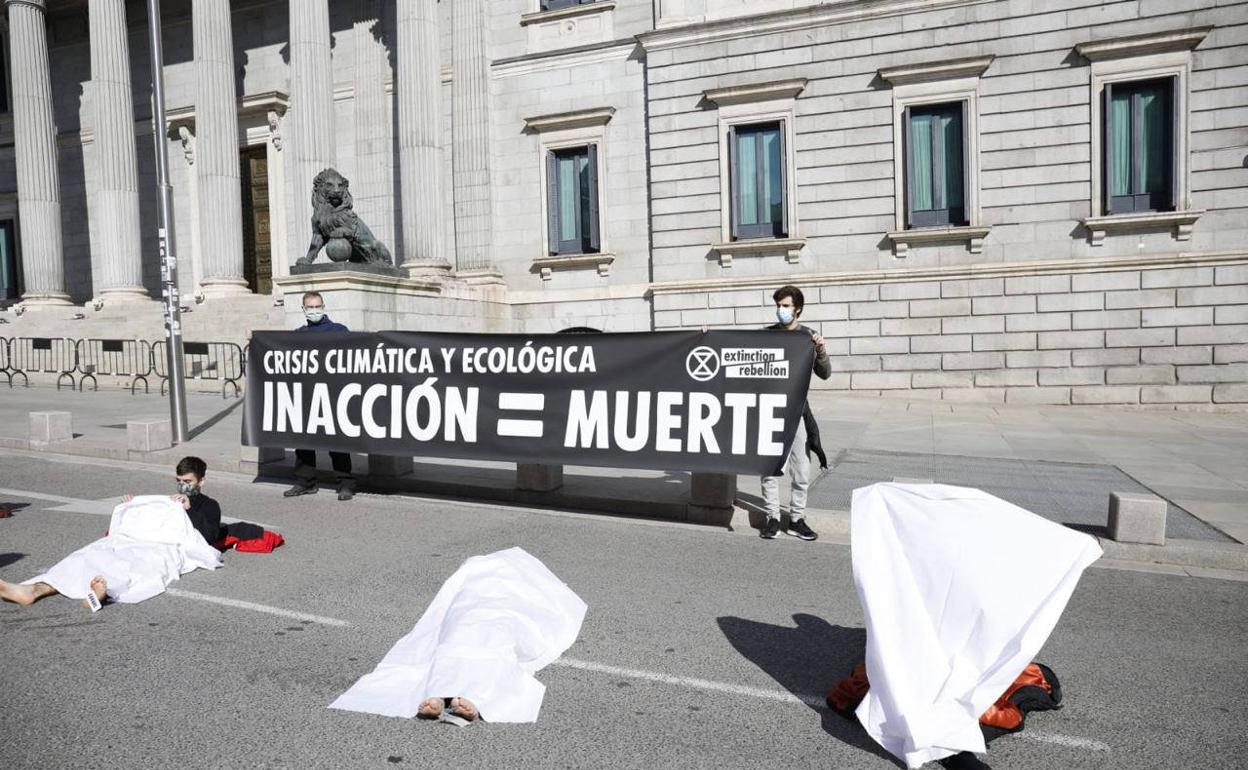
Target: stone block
(861,292)
(1064,303)
(1217,373)
(51,427)
(1228,334)
(1176,276)
(920,290)
(1105,319)
(1057,340)
(1011,341)
(956,361)
(1090,375)
(1230,314)
(1006,378)
(1235,294)
(1137,518)
(251,459)
(1023,359)
(1176,394)
(1018,303)
(975,287)
(855,363)
(1115,300)
(1038,284)
(1230,354)
(904,327)
(910,362)
(535,477)
(149,435)
(926,308)
(973,324)
(1230,394)
(943,380)
(1181,316)
(1231,274)
(880,381)
(945,343)
(1103,395)
(1105,281)
(1140,338)
(881,309)
(876,345)
(1140,375)
(1193,354)
(711,498)
(1037,322)
(1037,396)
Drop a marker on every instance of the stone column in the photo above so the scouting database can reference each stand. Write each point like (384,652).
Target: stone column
(420,137)
(217,168)
(372,184)
(116,209)
(471,136)
(34,139)
(311,114)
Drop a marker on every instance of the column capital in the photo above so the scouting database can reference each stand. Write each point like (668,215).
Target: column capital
(38,5)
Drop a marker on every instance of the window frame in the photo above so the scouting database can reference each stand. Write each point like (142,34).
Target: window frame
(587,242)
(743,232)
(566,130)
(1136,202)
(747,113)
(558,5)
(9,230)
(942,217)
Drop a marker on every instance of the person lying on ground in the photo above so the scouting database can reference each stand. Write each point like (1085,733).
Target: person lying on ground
(151,541)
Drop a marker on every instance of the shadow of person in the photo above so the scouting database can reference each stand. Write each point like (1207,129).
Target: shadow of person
(10,558)
(807,660)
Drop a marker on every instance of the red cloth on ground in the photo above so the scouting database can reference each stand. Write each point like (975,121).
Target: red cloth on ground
(263,544)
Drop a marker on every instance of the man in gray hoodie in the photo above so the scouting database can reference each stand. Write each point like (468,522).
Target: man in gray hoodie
(789,302)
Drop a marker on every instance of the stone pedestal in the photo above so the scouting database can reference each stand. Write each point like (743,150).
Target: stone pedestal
(149,435)
(369,268)
(533,477)
(50,427)
(1137,518)
(253,459)
(712,498)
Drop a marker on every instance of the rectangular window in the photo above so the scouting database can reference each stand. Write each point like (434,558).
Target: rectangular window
(758,181)
(935,165)
(1139,146)
(551,5)
(572,200)
(9,290)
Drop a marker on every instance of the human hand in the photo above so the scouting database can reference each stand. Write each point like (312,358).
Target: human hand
(127,498)
(182,500)
(818,340)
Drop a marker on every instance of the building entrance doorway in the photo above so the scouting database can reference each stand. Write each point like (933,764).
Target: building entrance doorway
(257,241)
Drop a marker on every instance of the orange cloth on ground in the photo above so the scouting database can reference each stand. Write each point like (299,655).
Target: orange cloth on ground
(850,691)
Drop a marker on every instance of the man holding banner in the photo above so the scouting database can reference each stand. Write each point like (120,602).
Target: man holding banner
(305,459)
(789,302)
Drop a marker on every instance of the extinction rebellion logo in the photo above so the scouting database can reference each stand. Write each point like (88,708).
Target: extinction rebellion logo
(704,363)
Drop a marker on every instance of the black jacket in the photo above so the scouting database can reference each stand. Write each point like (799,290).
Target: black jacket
(205,516)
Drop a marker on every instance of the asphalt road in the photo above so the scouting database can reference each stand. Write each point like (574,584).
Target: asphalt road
(698,649)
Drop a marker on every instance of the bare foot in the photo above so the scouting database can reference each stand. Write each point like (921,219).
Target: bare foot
(18,593)
(463,708)
(99,588)
(430,709)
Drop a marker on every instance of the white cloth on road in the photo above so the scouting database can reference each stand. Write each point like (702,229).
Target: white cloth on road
(960,591)
(494,623)
(150,544)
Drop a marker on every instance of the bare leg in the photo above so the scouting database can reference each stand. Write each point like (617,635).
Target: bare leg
(25,595)
(431,708)
(464,708)
(99,588)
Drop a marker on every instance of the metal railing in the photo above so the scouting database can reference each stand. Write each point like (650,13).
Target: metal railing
(114,358)
(4,361)
(222,361)
(43,355)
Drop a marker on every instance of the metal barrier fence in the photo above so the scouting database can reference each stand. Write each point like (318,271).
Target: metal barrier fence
(222,361)
(4,360)
(44,355)
(115,358)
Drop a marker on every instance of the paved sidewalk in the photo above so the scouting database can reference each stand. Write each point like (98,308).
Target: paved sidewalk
(1068,458)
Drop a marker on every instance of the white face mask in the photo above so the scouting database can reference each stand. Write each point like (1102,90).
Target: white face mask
(784,315)
(314,314)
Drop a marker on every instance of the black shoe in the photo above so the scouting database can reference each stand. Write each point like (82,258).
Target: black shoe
(300,489)
(770,529)
(345,493)
(801,530)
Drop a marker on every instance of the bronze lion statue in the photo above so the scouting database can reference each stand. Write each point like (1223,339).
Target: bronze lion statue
(337,229)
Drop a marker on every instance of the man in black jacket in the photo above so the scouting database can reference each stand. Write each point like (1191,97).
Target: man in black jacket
(789,302)
(305,459)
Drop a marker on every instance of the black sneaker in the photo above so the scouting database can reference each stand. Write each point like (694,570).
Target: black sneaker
(800,529)
(770,529)
(345,493)
(300,489)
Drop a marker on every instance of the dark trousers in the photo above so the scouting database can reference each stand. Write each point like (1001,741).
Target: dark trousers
(305,467)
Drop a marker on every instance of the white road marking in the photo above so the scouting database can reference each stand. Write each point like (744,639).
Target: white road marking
(102,507)
(1065,740)
(242,605)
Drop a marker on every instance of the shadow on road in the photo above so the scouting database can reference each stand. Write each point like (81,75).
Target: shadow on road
(807,660)
(211,421)
(10,558)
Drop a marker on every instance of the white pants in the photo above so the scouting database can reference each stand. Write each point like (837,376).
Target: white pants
(797,466)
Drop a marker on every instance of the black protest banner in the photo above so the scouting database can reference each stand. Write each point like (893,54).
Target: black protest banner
(719,401)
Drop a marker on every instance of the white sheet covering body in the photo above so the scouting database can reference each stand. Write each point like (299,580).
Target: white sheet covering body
(150,544)
(960,590)
(494,623)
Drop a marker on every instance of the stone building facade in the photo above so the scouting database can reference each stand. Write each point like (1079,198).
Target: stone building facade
(987,200)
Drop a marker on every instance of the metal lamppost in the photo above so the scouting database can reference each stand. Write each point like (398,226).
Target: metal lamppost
(168,258)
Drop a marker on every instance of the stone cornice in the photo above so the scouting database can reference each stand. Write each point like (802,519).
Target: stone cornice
(566,58)
(755,92)
(546,265)
(249,104)
(1141,45)
(950,69)
(560,121)
(903,239)
(1181,221)
(825,14)
(960,272)
(791,248)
